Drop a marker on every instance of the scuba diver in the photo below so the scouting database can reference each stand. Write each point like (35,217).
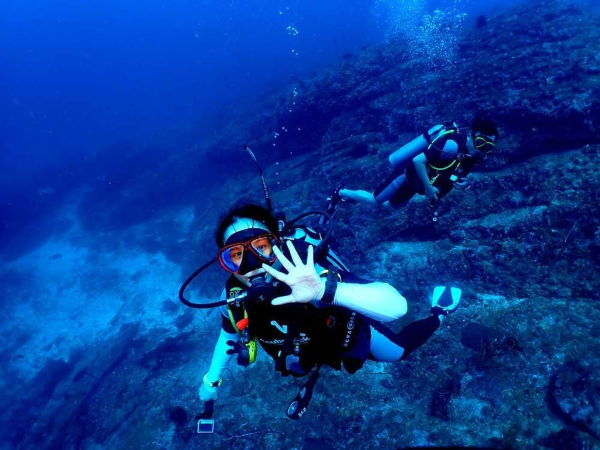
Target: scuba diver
(304,307)
(432,164)
(289,292)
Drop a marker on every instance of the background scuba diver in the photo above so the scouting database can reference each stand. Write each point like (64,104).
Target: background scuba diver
(315,314)
(431,164)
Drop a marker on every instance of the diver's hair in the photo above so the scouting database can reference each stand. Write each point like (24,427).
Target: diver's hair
(484,125)
(250,211)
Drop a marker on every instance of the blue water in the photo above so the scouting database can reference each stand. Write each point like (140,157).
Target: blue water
(77,76)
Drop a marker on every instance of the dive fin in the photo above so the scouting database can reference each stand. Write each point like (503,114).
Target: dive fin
(446,298)
(298,406)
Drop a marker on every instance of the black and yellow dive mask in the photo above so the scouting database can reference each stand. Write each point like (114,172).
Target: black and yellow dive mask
(484,144)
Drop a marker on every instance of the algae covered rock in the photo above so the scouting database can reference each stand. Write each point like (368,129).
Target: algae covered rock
(574,396)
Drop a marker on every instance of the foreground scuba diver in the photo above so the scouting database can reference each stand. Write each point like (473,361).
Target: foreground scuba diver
(304,308)
(431,164)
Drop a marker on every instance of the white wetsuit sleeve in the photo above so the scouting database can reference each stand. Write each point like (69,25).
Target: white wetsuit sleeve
(220,358)
(379,301)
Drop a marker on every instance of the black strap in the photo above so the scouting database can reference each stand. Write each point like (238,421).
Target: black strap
(426,136)
(330,286)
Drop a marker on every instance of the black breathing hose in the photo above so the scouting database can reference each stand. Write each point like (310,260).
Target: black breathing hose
(185,284)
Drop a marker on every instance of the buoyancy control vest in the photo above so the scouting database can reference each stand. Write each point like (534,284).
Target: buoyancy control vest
(446,148)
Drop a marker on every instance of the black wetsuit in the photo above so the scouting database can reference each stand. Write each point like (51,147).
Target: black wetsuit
(317,334)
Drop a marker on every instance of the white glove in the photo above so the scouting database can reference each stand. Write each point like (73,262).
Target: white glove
(302,278)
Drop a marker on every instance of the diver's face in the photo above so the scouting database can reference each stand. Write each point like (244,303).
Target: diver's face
(261,246)
(248,245)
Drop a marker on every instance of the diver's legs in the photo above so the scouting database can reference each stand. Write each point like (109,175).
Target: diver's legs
(383,349)
(363,197)
(390,187)
(388,346)
(381,196)
(358,196)
(417,333)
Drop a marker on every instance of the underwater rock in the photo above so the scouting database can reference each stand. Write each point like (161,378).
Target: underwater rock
(480,22)
(183,320)
(487,342)
(20,415)
(388,383)
(440,401)
(168,353)
(478,337)
(565,438)
(574,396)
(169,306)
(178,415)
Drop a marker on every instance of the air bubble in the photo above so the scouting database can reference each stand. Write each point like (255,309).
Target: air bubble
(433,37)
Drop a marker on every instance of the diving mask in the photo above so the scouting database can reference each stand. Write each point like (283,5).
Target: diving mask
(232,256)
(484,143)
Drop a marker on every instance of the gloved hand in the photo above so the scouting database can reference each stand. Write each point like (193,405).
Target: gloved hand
(243,358)
(462,183)
(207,390)
(302,278)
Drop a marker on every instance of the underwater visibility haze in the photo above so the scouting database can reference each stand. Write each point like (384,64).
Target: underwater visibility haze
(443,292)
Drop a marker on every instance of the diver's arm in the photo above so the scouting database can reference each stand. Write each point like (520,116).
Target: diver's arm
(420,163)
(379,301)
(212,379)
(220,358)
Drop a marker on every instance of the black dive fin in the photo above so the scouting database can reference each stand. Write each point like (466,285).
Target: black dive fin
(298,406)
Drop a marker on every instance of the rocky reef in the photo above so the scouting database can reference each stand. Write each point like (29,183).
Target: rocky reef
(514,368)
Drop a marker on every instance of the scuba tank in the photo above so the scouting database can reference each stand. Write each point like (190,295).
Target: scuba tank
(407,152)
